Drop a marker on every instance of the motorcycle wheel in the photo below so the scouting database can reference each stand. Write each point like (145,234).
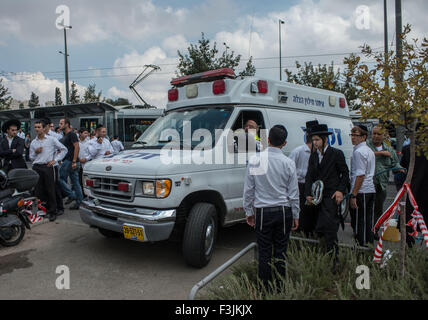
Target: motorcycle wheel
(18,233)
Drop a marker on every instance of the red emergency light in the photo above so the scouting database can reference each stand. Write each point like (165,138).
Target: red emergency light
(122,186)
(262,85)
(342,102)
(204,77)
(173,94)
(219,87)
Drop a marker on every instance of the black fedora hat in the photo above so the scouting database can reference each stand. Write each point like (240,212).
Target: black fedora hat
(319,130)
(310,124)
(9,123)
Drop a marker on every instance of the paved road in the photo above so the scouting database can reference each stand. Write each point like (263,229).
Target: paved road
(102,268)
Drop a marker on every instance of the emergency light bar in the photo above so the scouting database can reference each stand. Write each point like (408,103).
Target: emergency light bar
(204,76)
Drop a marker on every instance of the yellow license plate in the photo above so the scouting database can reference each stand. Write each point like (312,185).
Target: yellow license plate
(133,233)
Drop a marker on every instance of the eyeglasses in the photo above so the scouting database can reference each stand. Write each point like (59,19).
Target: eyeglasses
(355,135)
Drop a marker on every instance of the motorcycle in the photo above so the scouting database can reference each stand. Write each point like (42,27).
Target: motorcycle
(14,190)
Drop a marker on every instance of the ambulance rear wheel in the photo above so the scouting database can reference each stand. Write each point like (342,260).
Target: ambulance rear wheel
(200,234)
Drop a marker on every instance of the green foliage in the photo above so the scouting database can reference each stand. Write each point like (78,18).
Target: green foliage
(118,102)
(202,57)
(90,95)
(324,77)
(308,277)
(405,101)
(58,99)
(74,96)
(5,98)
(34,100)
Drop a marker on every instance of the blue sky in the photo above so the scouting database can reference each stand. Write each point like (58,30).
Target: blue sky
(118,37)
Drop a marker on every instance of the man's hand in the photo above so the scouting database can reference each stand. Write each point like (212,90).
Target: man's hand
(73,165)
(250,221)
(385,153)
(100,140)
(13,150)
(107,153)
(309,199)
(295,224)
(38,150)
(339,197)
(353,203)
(51,163)
(82,160)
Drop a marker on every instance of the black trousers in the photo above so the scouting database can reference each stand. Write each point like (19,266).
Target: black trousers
(308,214)
(328,224)
(362,218)
(273,227)
(58,192)
(45,188)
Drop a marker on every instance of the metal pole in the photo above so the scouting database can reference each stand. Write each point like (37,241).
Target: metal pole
(66,67)
(280,66)
(385,17)
(400,130)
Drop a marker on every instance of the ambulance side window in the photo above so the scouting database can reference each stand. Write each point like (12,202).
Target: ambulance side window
(251,142)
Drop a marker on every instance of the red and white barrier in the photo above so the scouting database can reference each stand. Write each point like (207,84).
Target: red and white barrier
(417,220)
(36,216)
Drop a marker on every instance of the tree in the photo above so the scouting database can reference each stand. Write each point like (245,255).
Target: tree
(202,58)
(58,100)
(21,105)
(90,95)
(403,103)
(5,98)
(324,77)
(34,100)
(74,97)
(117,102)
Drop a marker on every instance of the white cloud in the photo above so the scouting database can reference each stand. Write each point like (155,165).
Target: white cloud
(21,85)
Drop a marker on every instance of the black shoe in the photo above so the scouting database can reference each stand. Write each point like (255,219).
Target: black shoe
(69,200)
(59,212)
(74,207)
(52,217)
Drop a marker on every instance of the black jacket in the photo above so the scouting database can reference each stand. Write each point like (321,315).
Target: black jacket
(333,171)
(12,160)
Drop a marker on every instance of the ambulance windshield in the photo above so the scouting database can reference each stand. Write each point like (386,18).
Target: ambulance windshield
(180,126)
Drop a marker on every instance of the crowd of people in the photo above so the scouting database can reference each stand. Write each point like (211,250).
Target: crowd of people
(58,155)
(282,199)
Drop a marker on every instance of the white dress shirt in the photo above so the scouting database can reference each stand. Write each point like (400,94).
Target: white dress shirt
(300,156)
(55,135)
(276,187)
(84,152)
(320,156)
(363,164)
(117,146)
(21,134)
(98,150)
(52,150)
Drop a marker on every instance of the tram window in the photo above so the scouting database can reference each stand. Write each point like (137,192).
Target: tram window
(90,124)
(132,126)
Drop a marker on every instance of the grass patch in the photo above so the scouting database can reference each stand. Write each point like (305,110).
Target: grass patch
(309,277)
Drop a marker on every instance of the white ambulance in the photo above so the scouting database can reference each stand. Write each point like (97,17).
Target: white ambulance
(151,193)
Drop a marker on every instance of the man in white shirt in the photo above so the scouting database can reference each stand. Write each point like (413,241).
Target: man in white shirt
(84,155)
(308,214)
(274,195)
(21,134)
(100,146)
(117,145)
(362,186)
(43,153)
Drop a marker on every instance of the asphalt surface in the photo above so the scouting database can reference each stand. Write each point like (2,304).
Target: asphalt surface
(102,268)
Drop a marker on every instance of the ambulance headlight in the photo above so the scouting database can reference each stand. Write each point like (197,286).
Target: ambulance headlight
(148,188)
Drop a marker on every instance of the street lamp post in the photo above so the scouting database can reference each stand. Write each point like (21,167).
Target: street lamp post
(67,95)
(280,64)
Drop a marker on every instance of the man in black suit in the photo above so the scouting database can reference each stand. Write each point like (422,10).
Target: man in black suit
(12,147)
(328,165)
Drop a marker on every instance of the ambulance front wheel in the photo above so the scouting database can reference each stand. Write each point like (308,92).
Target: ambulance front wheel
(200,234)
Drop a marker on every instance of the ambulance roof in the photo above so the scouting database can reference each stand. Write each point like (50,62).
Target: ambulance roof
(247,91)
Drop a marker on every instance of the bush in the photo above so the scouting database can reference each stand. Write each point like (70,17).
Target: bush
(309,276)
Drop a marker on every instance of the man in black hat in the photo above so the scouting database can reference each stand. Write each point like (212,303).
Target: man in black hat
(300,155)
(328,165)
(12,147)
